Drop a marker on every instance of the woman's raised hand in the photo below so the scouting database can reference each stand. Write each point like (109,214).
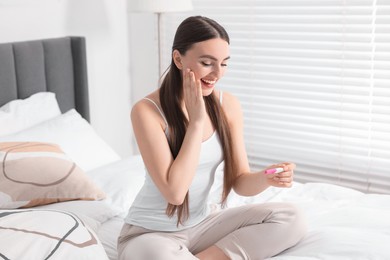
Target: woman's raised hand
(193,98)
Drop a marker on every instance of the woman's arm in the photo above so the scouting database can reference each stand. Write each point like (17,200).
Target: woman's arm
(172,177)
(249,183)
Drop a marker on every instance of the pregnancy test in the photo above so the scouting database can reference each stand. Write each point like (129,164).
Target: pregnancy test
(274,170)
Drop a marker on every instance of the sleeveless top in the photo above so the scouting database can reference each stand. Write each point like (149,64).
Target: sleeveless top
(148,208)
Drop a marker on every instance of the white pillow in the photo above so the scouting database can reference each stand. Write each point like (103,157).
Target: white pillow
(121,181)
(47,234)
(21,114)
(74,135)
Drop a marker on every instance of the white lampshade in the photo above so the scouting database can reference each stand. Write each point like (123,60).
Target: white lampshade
(159,6)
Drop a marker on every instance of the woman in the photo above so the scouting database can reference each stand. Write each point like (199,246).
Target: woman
(184,130)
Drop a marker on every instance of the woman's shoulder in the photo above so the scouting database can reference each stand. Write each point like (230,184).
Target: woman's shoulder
(231,105)
(148,109)
(229,100)
(147,103)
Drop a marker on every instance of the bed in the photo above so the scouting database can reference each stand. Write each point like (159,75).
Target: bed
(64,192)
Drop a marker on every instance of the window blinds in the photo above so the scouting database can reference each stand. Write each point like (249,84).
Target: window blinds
(313,79)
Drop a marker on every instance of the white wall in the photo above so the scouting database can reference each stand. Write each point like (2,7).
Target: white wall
(143,56)
(104,23)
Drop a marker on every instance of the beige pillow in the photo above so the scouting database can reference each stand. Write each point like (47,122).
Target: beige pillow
(34,173)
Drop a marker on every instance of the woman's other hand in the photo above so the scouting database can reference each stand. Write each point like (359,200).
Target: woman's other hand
(282,179)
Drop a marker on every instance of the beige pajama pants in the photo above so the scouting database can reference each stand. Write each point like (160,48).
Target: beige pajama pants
(255,231)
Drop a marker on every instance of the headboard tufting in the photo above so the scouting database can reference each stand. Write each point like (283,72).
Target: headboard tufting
(56,65)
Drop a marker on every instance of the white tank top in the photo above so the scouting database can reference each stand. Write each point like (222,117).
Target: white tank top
(148,208)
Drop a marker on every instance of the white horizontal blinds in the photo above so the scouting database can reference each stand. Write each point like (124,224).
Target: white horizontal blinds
(313,78)
(380,107)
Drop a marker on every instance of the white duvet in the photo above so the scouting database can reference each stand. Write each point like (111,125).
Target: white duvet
(343,223)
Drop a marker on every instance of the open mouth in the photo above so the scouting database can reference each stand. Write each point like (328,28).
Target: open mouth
(208,83)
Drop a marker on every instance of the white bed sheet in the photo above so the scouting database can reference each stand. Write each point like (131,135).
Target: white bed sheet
(342,223)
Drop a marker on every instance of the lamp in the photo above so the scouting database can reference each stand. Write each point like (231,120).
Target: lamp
(159,7)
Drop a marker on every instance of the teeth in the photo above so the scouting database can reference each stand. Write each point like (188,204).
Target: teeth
(209,81)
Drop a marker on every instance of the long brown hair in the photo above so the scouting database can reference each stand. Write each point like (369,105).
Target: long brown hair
(192,30)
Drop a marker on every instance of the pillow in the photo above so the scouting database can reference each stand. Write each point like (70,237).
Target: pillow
(21,114)
(120,181)
(74,135)
(34,174)
(47,234)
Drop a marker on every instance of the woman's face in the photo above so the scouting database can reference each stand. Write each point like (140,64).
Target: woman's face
(208,61)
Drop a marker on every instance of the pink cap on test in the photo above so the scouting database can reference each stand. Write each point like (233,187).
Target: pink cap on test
(274,170)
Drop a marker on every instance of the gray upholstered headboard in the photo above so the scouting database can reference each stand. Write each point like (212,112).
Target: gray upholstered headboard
(57,65)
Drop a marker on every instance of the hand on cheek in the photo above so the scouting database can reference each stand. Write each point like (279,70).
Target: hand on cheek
(193,97)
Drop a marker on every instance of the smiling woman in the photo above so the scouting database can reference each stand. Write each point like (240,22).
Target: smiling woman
(184,131)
